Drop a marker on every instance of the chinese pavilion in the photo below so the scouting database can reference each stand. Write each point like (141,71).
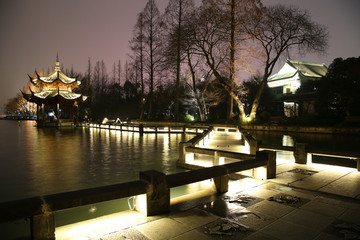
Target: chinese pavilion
(292,76)
(56,102)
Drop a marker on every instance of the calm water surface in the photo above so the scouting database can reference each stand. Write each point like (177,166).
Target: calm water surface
(37,162)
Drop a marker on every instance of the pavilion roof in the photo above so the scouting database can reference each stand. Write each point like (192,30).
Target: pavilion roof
(304,69)
(46,96)
(56,74)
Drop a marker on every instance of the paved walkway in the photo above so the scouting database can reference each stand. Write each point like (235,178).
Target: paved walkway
(303,202)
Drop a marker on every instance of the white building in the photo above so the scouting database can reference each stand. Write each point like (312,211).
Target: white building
(289,79)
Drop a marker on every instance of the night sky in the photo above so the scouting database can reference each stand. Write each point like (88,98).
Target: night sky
(33,32)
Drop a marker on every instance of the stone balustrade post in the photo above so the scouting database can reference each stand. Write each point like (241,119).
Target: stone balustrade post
(270,172)
(242,139)
(221,184)
(300,153)
(43,225)
(182,151)
(253,144)
(141,129)
(158,193)
(216,160)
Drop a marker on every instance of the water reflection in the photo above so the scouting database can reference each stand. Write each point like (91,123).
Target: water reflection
(287,141)
(37,162)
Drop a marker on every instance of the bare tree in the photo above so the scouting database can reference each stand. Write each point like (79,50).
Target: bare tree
(218,37)
(137,46)
(211,42)
(176,13)
(232,15)
(118,72)
(153,53)
(114,74)
(281,29)
(96,77)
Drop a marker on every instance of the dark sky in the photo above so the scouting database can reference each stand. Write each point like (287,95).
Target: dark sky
(32,32)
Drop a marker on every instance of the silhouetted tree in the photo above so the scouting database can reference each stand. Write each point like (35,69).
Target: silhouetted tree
(153,47)
(339,89)
(176,14)
(279,30)
(137,45)
(233,14)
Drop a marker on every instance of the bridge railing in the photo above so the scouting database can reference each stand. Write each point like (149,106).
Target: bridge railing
(145,128)
(303,153)
(155,185)
(195,146)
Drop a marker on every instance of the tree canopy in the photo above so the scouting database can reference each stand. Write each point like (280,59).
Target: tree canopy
(339,89)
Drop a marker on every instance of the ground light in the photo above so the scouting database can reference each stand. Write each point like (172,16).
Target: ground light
(102,226)
(99,227)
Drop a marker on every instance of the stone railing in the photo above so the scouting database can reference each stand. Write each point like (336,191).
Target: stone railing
(141,128)
(155,185)
(303,152)
(187,150)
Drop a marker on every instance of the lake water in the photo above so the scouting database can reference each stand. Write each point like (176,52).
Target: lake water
(36,162)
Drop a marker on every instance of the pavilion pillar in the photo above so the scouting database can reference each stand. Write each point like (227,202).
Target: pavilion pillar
(74,114)
(57,113)
(43,112)
(37,111)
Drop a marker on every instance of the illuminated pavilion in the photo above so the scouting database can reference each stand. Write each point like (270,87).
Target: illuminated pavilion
(56,102)
(289,79)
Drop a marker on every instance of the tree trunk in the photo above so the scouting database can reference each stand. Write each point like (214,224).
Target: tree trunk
(257,98)
(232,61)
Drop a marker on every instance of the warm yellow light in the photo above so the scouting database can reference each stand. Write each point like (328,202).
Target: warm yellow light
(221,160)
(247,119)
(189,157)
(105,120)
(260,173)
(140,203)
(99,227)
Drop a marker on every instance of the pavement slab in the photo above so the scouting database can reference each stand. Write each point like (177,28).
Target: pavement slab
(345,203)
(261,193)
(348,185)
(259,236)
(284,230)
(326,236)
(255,220)
(271,209)
(351,216)
(164,228)
(287,178)
(194,218)
(130,233)
(324,208)
(318,180)
(192,235)
(314,221)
